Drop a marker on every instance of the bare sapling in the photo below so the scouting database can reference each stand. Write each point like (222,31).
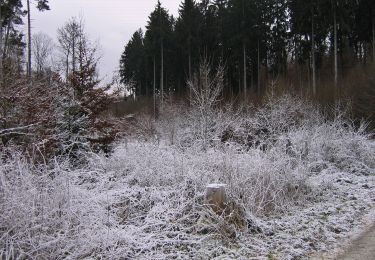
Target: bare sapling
(206,88)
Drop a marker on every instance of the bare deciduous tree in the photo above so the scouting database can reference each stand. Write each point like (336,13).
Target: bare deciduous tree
(43,47)
(69,37)
(206,88)
(42,5)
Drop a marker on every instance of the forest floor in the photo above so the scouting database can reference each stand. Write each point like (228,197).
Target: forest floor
(306,185)
(153,206)
(358,245)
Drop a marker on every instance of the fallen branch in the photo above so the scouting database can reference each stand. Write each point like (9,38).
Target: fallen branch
(16,130)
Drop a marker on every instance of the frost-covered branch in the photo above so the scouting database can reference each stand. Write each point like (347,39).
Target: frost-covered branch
(16,130)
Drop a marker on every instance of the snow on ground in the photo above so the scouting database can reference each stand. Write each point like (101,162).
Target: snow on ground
(303,193)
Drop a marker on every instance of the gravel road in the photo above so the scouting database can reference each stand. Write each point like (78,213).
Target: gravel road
(361,249)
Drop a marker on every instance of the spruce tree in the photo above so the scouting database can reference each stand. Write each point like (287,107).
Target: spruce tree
(187,35)
(132,64)
(157,43)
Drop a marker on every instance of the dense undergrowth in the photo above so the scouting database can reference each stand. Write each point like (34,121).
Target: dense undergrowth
(146,199)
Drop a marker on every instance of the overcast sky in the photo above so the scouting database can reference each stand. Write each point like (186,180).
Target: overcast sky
(112,22)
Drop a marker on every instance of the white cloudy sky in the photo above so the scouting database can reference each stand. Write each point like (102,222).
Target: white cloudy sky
(112,22)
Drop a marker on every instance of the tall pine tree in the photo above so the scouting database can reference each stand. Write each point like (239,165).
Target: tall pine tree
(133,65)
(157,44)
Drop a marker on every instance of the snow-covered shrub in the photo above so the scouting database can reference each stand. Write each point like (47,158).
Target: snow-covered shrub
(146,200)
(28,115)
(263,127)
(343,145)
(183,126)
(34,219)
(144,127)
(286,112)
(172,121)
(262,182)
(265,183)
(205,90)
(45,214)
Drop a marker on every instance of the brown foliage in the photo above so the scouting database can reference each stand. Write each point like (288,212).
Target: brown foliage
(28,113)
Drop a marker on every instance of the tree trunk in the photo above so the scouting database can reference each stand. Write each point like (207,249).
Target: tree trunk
(335,47)
(258,89)
(162,71)
(67,65)
(189,60)
(190,76)
(244,53)
(154,87)
(313,54)
(244,71)
(5,49)
(73,54)
(1,44)
(308,69)
(81,50)
(373,35)
(29,40)
(252,76)
(239,81)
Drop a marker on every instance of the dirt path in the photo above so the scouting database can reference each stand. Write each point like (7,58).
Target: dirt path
(361,249)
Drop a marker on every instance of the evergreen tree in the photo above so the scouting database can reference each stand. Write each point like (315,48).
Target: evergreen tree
(364,27)
(221,22)
(278,36)
(255,39)
(209,31)
(132,64)
(157,44)
(309,28)
(11,39)
(187,35)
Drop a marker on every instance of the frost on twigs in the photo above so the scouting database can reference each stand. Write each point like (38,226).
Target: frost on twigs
(205,90)
(302,187)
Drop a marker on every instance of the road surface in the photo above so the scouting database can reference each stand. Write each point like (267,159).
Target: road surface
(362,248)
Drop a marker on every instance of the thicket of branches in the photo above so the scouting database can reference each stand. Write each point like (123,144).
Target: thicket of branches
(146,200)
(150,193)
(46,114)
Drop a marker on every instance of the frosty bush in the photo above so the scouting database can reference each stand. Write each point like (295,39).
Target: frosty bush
(201,124)
(45,214)
(342,144)
(146,200)
(46,118)
(205,89)
(286,112)
(35,218)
